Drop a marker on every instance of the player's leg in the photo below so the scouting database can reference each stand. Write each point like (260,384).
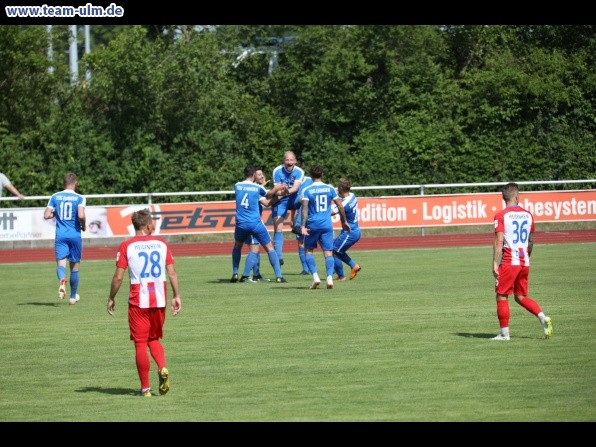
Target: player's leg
(297,222)
(256,268)
(326,240)
(339,255)
(61,255)
(503,288)
(240,236)
(279,214)
(250,259)
(520,291)
(262,235)
(156,348)
(76,253)
(139,324)
(310,243)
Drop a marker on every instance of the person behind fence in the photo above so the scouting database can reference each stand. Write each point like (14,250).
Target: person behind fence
(150,264)
(68,207)
(6,183)
(317,227)
(346,239)
(512,249)
(249,196)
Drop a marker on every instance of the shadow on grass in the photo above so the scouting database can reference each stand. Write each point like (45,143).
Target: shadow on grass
(256,284)
(99,389)
(474,335)
(40,304)
(487,336)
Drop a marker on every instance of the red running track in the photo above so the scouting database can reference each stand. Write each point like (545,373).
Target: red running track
(367,243)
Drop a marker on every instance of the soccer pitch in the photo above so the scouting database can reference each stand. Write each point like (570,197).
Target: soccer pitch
(407,341)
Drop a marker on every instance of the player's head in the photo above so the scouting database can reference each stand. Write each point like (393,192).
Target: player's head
(316,172)
(260,176)
(71,180)
(289,160)
(142,220)
(344,186)
(510,193)
(249,172)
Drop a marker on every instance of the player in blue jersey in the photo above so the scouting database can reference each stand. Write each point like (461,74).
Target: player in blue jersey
(68,208)
(249,197)
(297,223)
(253,260)
(346,239)
(291,175)
(317,200)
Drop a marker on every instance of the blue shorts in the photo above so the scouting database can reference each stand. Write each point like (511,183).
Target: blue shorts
(345,240)
(323,236)
(256,229)
(281,208)
(251,240)
(70,248)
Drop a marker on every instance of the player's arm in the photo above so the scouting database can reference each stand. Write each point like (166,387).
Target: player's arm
(176,301)
(277,190)
(497,252)
(530,244)
(267,202)
(342,213)
(82,217)
(295,187)
(48,213)
(304,210)
(114,287)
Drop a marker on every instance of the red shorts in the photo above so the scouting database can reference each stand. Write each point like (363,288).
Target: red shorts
(146,324)
(512,279)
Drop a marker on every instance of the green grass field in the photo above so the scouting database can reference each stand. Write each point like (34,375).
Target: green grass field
(408,340)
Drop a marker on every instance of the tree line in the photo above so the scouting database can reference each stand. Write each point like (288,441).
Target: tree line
(183,108)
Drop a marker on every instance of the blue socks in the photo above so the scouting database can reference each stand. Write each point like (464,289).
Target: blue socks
(74,283)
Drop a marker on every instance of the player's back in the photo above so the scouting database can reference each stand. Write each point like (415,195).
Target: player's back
(516,224)
(320,200)
(66,204)
(248,195)
(350,203)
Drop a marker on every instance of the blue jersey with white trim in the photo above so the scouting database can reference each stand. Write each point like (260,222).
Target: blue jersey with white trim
(65,205)
(350,203)
(248,198)
(283,177)
(306,182)
(320,197)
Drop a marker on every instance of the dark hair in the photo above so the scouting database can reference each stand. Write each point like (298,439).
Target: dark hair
(316,172)
(509,191)
(141,218)
(249,171)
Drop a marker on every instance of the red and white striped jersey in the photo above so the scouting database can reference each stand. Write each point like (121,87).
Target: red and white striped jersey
(516,224)
(146,258)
